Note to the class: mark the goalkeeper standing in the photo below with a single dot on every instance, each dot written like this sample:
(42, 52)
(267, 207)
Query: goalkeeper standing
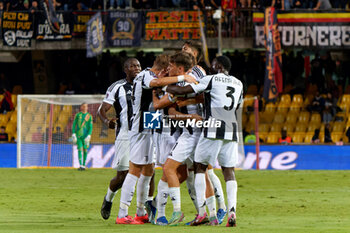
(82, 129)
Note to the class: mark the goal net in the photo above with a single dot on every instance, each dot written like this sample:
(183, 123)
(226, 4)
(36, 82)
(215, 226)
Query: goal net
(44, 128)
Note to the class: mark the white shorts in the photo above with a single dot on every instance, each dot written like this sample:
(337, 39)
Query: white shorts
(163, 143)
(122, 151)
(208, 150)
(141, 148)
(184, 148)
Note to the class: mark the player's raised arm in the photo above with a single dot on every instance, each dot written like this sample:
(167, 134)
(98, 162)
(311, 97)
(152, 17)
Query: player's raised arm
(196, 100)
(160, 103)
(176, 90)
(161, 82)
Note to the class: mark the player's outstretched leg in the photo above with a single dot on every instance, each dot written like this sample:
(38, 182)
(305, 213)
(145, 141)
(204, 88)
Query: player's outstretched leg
(219, 194)
(231, 190)
(210, 201)
(114, 185)
(192, 192)
(127, 194)
(170, 169)
(142, 193)
(162, 198)
(151, 203)
(200, 186)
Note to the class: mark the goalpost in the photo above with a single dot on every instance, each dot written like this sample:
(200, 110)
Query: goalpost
(44, 129)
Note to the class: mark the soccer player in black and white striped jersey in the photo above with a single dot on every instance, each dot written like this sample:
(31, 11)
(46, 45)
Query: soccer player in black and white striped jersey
(141, 145)
(195, 49)
(118, 95)
(223, 95)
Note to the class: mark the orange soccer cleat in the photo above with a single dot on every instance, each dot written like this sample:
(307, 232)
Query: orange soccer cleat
(143, 219)
(127, 220)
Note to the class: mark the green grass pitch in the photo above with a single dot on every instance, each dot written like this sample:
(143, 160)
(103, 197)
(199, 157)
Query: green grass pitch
(66, 200)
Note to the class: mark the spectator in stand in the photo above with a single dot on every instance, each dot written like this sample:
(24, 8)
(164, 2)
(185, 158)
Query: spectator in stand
(317, 104)
(70, 90)
(96, 4)
(339, 4)
(34, 7)
(316, 138)
(327, 116)
(81, 5)
(327, 134)
(26, 4)
(1, 6)
(6, 104)
(331, 104)
(38, 135)
(317, 72)
(143, 4)
(323, 5)
(250, 138)
(284, 139)
(4, 137)
(58, 136)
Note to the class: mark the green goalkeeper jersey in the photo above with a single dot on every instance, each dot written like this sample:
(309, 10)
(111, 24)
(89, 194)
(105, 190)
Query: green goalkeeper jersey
(82, 125)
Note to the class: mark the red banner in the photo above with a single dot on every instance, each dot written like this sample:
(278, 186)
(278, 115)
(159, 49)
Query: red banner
(273, 74)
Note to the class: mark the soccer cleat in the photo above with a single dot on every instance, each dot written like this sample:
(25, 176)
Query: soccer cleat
(151, 210)
(213, 221)
(221, 215)
(189, 223)
(231, 220)
(127, 220)
(143, 219)
(106, 209)
(200, 220)
(162, 221)
(176, 218)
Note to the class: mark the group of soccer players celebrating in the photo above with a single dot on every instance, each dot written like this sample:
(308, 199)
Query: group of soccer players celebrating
(177, 89)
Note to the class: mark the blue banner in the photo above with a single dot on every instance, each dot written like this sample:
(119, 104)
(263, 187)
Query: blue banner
(278, 157)
(8, 155)
(321, 157)
(124, 29)
(94, 36)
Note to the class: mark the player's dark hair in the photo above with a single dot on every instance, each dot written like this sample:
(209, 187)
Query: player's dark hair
(183, 59)
(225, 62)
(197, 45)
(161, 62)
(128, 61)
(83, 104)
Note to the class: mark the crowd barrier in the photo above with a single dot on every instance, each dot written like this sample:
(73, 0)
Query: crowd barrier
(272, 157)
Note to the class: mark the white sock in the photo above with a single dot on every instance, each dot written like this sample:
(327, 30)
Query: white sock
(127, 194)
(199, 184)
(110, 195)
(231, 190)
(162, 197)
(211, 206)
(150, 198)
(142, 194)
(191, 189)
(174, 193)
(219, 194)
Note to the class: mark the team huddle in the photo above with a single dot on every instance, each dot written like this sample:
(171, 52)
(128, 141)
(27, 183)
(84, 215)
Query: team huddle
(174, 89)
